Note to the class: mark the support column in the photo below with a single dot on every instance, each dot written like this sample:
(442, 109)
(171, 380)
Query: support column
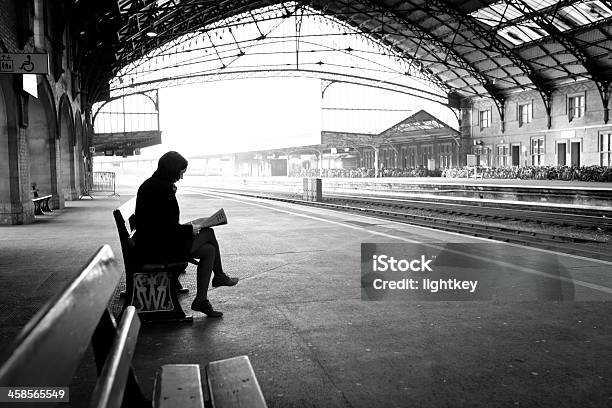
(66, 152)
(15, 203)
(236, 165)
(376, 167)
(466, 141)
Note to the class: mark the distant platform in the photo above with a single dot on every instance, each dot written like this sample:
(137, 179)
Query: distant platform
(539, 192)
(130, 179)
(571, 184)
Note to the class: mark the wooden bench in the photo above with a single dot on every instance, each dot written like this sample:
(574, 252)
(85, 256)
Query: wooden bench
(232, 383)
(152, 288)
(41, 204)
(51, 346)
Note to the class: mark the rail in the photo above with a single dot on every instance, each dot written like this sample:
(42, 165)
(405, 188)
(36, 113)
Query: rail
(593, 249)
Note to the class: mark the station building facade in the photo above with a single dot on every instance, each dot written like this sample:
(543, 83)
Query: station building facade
(573, 134)
(577, 135)
(44, 134)
(421, 140)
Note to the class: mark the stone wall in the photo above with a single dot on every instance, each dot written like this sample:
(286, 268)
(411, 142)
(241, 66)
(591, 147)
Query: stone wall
(39, 31)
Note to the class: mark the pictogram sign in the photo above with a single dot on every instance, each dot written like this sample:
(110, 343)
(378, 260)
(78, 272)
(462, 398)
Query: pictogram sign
(29, 63)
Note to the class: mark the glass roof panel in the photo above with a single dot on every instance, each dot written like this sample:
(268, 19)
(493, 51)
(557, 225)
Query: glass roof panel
(526, 30)
(416, 125)
(584, 13)
(497, 13)
(539, 4)
(163, 2)
(521, 33)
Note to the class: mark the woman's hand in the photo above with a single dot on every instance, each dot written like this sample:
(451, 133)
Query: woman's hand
(196, 230)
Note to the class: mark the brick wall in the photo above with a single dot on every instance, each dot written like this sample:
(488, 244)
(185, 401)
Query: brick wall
(8, 28)
(24, 177)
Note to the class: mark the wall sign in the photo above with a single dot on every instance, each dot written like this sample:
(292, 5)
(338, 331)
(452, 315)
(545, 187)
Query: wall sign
(27, 63)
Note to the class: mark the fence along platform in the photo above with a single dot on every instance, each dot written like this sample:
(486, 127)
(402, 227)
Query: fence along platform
(102, 182)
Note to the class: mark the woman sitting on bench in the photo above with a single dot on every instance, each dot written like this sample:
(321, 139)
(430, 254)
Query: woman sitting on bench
(160, 238)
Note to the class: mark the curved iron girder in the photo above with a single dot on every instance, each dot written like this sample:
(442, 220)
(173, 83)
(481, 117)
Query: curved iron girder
(490, 36)
(444, 46)
(201, 15)
(324, 7)
(573, 48)
(324, 85)
(331, 76)
(155, 102)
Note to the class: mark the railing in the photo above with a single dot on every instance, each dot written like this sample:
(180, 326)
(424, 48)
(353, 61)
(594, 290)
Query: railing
(102, 181)
(583, 173)
(364, 172)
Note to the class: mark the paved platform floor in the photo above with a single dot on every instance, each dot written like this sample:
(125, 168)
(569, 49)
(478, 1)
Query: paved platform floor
(313, 342)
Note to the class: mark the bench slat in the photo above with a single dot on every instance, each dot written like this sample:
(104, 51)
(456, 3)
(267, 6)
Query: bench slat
(178, 385)
(232, 383)
(109, 389)
(42, 198)
(58, 335)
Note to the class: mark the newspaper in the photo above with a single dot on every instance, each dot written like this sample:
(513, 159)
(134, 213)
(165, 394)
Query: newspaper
(217, 218)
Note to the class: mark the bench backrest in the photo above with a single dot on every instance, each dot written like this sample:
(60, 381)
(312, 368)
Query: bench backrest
(124, 216)
(51, 345)
(126, 232)
(116, 376)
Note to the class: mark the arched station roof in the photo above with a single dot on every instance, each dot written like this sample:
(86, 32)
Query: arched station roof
(470, 48)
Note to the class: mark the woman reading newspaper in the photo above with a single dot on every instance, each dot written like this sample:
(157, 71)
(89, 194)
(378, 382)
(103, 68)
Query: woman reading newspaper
(161, 238)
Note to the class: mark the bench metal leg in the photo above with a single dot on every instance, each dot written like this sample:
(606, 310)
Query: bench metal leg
(46, 206)
(155, 296)
(86, 193)
(129, 282)
(37, 209)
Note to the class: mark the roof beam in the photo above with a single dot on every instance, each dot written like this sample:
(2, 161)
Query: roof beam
(572, 46)
(529, 15)
(381, 37)
(442, 45)
(490, 36)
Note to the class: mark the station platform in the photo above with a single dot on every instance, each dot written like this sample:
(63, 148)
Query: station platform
(541, 338)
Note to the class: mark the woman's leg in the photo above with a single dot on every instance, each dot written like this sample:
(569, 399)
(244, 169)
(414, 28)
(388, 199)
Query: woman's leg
(207, 236)
(206, 254)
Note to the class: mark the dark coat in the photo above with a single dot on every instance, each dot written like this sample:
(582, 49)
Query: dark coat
(159, 236)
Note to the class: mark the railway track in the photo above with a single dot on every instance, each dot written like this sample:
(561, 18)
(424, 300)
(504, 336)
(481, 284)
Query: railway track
(552, 216)
(400, 210)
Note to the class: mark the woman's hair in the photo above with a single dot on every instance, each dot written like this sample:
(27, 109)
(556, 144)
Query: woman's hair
(170, 166)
